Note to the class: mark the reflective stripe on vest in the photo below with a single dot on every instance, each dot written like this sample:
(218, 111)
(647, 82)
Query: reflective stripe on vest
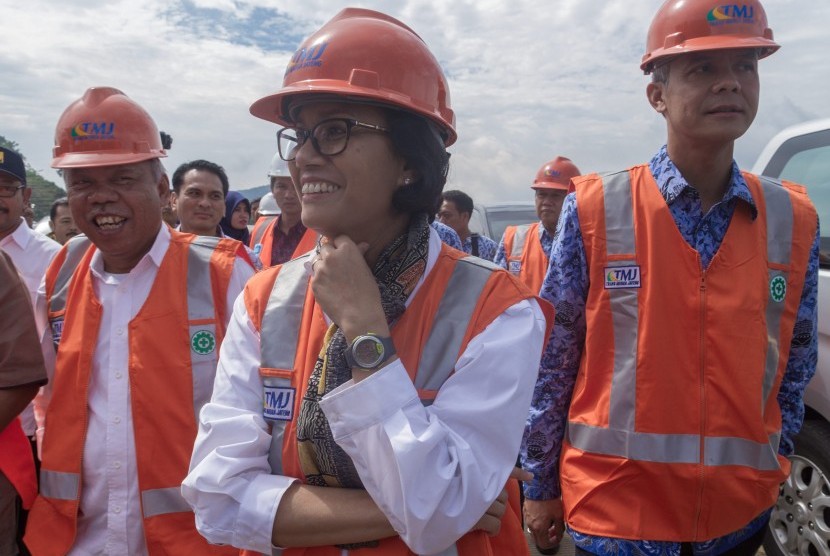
(519, 239)
(259, 232)
(200, 306)
(620, 438)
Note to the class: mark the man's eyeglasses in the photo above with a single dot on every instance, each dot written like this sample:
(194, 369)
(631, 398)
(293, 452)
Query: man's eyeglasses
(329, 137)
(7, 191)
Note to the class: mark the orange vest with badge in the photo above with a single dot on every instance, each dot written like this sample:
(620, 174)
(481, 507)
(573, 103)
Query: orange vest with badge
(180, 325)
(17, 462)
(674, 424)
(479, 293)
(525, 256)
(262, 241)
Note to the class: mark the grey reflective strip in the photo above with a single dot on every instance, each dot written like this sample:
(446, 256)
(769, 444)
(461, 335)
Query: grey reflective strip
(277, 428)
(259, 233)
(283, 315)
(59, 485)
(779, 251)
(163, 501)
(519, 239)
(663, 448)
(619, 226)
(75, 249)
(199, 290)
(451, 320)
(740, 451)
(619, 214)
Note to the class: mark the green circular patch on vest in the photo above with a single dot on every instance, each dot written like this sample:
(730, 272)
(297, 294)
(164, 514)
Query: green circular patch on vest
(203, 342)
(778, 288)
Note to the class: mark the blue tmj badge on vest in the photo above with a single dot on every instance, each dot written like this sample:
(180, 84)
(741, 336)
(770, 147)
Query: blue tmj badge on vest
(617, 277)
(278, 403)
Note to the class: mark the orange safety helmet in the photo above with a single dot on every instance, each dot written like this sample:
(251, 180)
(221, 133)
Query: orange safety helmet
(105, 128)
(556, 174)
(683, 26)
(365, 56)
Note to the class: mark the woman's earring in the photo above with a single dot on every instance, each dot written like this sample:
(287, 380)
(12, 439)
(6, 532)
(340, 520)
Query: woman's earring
(407, 181)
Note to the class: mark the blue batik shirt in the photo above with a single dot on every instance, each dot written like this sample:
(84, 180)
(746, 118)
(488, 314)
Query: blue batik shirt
(566, 286)
(486, 247)
(544, 238)
(447, 235)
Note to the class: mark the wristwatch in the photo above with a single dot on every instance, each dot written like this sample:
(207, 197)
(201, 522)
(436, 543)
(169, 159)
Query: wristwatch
(369, 351)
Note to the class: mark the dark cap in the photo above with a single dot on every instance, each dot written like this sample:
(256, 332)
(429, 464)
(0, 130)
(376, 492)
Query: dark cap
(12, 164)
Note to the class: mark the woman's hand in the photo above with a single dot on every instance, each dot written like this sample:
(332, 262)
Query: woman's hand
(345, 288)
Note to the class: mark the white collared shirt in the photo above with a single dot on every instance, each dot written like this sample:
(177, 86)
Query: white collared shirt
(434, 470)
(31, 254)
(110, 519)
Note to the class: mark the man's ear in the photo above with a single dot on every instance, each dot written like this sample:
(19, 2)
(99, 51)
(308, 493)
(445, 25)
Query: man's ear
(655, 93)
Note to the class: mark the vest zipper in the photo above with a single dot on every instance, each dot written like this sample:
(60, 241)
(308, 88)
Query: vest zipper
(701, 466)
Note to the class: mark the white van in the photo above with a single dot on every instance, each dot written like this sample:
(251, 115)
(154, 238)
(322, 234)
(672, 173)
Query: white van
(800, 523)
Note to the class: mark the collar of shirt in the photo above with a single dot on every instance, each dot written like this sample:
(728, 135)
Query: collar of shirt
(296, 230)
(154, 256)
(21, 235)
(672, 184)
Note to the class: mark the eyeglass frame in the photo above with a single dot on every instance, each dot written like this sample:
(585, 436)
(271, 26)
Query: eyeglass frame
(8, 187)
(302, 136)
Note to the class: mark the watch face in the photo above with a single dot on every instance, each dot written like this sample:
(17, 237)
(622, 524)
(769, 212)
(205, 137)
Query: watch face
(368, 351)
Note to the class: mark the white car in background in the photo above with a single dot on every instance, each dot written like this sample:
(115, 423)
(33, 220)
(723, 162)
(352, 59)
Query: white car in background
(491, 220)
(800, 523)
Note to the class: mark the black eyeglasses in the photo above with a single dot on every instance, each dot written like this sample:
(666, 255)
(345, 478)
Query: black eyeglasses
(329, 137)
(7, 191)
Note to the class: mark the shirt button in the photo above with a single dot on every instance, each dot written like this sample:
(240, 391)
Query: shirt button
(119, 331)
(117, 420)
(117, 465)
(117, 509)
(118, 374)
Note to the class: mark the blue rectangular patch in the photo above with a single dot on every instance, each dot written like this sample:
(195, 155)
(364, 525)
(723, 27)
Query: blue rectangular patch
(618, 277)
(514, 267)
(278, 403)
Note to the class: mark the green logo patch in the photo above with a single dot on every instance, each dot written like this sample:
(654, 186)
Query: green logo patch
(778, 289)
(203, 342)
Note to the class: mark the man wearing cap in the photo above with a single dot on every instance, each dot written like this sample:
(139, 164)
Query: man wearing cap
(455, 212)
(281, 237)
(137, 312)
(688, 333)
(524, 249)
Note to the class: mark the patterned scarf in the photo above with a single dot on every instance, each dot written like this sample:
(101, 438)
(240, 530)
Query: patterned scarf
(397, 272)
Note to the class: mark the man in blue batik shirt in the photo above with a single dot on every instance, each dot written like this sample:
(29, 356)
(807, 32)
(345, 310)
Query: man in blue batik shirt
(705, 83)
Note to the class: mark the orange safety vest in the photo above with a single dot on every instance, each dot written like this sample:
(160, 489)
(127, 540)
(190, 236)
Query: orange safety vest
(427, 341)
(181, 323)
(674, 425)
(262, 241)
(525, 256)
(17, 462)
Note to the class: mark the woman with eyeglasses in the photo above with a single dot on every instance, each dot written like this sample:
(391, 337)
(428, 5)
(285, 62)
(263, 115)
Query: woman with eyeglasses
(371, 395)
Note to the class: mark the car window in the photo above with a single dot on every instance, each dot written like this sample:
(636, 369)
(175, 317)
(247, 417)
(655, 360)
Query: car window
(806, 160)
(499, 220)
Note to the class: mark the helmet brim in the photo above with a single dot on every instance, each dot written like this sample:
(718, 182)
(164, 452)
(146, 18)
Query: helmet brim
(764, 46)
(96, 160)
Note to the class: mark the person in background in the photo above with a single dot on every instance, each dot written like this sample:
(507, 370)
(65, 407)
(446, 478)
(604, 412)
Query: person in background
(280, 237)
(524, 250)
(686, 333)
(22, 372)
(61, 222)
(137, 312)
(350, 408)
(199, 190)
(237, 215)
(255, 209)
(455, 212)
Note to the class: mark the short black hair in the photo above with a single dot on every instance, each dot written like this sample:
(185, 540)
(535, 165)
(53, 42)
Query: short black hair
(59, 202)
(462, 201)
(205, 165)
(419, 142)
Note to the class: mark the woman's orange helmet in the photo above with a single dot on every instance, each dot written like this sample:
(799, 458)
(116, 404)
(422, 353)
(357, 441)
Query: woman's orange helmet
(365, 56)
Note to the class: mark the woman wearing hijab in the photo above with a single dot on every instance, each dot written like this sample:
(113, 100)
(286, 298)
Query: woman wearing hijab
(370, 397)
(237, 215)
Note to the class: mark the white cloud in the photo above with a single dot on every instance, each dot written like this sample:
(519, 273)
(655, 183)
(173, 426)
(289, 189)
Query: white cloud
(530, 79)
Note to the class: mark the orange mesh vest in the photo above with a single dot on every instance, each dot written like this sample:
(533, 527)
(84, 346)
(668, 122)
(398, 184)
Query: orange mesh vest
(525, 256)
(262, 241)
(17, 462)
(480, 296)
(181, 323)
(674, 422)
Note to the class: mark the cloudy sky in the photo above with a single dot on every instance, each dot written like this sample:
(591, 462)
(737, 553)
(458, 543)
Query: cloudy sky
(530, 79)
